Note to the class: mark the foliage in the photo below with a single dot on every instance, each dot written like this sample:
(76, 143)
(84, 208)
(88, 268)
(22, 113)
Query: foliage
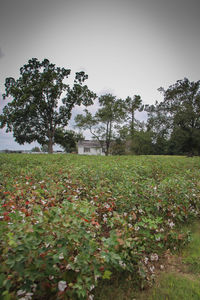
(176, 120)
(67, 139)
(70, 222)
(110, 113)
(35, 149)
(131, 106)
(35, 112)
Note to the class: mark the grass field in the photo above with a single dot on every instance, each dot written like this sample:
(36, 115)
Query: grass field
(82, 227)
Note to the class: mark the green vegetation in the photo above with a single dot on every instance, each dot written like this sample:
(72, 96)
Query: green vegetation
(35, 112)
(181, 279)
(176, 287)
(73, 226)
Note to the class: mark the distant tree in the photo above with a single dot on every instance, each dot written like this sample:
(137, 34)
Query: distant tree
(44, 148)
(159, 128)
(175, 121)
(35, 111)
(132, 105)
(35, 149)
(181, 105)
(101, 126)
(119, 145)
(67, 139)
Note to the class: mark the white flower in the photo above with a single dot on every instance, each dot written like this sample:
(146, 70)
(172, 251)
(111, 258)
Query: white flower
(28, 296)
(158, 239)
(122, 264)
(33, 286)
(125, 214)
(152, 269)
(91, 297)
(68, 267)
(20, 292)
(146, 260)
(171, 224)
(61, 256)
(161, 267)
(154, 256)
(137, 228)
(107, 205)
(62, 285)
(92, 287)
(130, 225)
(96, 277)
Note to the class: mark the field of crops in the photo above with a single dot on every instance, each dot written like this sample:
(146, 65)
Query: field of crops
(69, 222)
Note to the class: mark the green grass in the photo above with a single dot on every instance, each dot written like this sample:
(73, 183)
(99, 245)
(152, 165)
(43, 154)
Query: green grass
(184, 283)
(191, 255)
(176, 287)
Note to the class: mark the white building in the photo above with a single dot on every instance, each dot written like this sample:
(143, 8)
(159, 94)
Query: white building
(90, 148)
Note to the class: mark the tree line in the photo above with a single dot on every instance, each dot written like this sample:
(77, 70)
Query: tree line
(42, 104)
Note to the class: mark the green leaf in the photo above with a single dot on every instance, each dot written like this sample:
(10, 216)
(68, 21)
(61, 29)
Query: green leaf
(107, 274)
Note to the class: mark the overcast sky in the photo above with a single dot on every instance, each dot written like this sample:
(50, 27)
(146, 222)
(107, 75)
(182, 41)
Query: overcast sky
(126, 47)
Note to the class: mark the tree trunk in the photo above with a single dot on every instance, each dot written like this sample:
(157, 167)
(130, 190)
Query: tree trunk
(132, 123)
(50, 145)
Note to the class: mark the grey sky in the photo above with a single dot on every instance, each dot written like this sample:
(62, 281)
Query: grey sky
(126, 46)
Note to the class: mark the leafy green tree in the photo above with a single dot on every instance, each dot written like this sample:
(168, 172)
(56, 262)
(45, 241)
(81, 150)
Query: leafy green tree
(35, 149)
(181, 105)
(35, 111)
(158, 127)
(119, 145)
(67, 139)
(44, 148)
(175, 121)
(133, 104)
(101, 126)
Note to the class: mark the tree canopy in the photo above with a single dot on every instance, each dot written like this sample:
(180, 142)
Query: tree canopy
(36, 110)
(101, 126)
(176, 120)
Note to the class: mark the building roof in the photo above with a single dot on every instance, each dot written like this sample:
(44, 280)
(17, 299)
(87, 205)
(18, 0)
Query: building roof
(88, 143)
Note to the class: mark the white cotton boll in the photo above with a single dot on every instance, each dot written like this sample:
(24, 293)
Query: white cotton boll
(61, 256)
(62, 285)
(20, 292)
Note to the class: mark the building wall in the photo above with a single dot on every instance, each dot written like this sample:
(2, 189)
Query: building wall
(93, 151)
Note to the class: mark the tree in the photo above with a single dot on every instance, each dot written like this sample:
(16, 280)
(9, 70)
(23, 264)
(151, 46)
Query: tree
(35, 149)
(35, 112)
(67, 139)
(158, 127)
(101, 126)
(133, 104)
(176, 120)
(44, 148)
(182, 106)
